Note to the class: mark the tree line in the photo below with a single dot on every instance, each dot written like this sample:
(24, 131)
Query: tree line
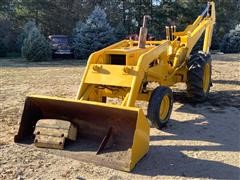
(63, 16)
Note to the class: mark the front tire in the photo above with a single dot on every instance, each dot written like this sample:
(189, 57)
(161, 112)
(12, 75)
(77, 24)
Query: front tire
(160, 106)
(199, 77)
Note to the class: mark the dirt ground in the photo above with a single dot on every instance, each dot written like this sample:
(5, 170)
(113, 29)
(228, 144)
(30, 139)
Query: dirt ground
(201, 141)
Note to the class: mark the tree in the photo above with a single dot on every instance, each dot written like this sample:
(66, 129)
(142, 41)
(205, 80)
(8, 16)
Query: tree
(3, 49)
(96, 33)
(35, 46)
(26, 30)
(231, 41)
(60, 16)
(77, 38)
(8, 35)
(120, 32)
(227, 18)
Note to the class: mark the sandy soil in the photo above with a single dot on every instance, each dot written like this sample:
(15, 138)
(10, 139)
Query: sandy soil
(201, 141)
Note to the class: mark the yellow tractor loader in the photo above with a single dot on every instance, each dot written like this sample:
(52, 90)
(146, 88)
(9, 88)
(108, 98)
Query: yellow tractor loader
(90, 128)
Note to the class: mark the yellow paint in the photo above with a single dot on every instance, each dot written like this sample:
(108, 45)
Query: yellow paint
(206, 77)
(141, 139)
(164, 108)
(110, 75)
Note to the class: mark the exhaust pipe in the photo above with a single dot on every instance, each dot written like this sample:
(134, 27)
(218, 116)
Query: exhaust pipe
(143, 32)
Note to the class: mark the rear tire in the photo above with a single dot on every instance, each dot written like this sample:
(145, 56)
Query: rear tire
(160, 106)
(199, 77)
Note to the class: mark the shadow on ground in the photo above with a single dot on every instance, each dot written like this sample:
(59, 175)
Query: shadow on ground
(170, 160)
(232, 82)
(216, 99)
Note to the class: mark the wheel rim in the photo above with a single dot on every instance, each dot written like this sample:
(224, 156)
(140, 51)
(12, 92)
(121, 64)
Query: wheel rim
(164, 108)
(206, 78)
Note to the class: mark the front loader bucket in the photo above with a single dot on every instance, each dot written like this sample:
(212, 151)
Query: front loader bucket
(123, 131)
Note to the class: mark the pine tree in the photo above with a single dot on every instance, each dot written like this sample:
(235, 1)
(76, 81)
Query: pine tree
(120, 32)
(231, 41)
(28, 27)
(26, 30)
(96, 33)
(35, 46)
(77, 38)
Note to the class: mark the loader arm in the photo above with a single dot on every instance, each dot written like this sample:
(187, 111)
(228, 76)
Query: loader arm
(142, 68)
